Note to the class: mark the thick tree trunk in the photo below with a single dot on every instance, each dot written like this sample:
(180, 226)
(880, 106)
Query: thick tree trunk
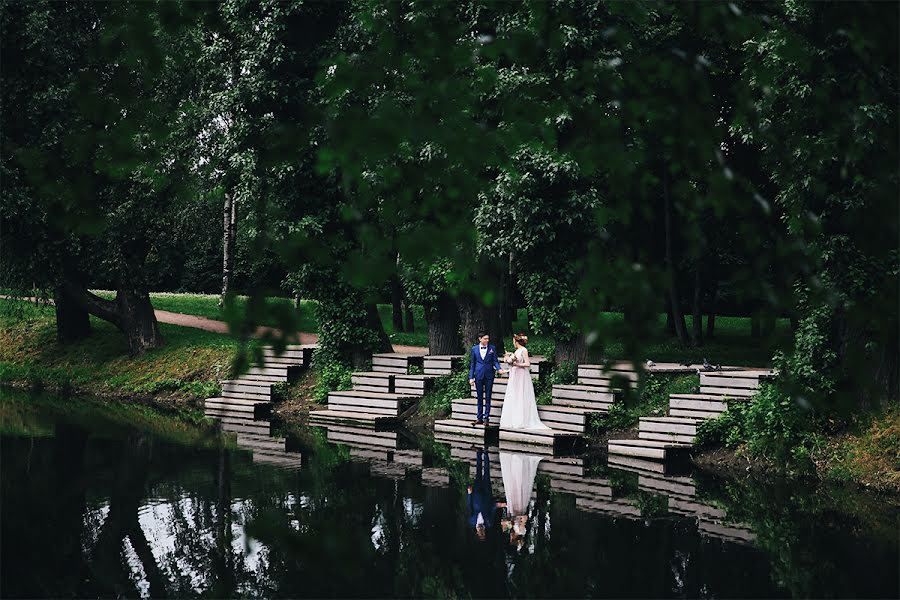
(670, 321)
(574, 350)
(674, 299)
(754, 326)
(410, 320)
(131, 312)
(229, 231)
(73, 322)
(696, 312)
(396, 303)
(443, 326)
(711, 310)
(373, 321)
(138, 321)
(476, 318)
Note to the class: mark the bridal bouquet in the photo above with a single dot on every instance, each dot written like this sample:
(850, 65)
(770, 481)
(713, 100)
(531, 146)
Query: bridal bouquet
(509, 358)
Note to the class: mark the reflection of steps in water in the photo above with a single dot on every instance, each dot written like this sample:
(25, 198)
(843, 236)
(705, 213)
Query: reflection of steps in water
(388, 452)
(256, 436)
(436, 476)
(681, 494)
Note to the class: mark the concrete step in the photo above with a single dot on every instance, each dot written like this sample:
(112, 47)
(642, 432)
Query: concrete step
(676, 425)
(651, 449)
(280, 373)
(265, 386)
(252, 409)
(231, 392)
(599, 375)
(666, 437)
(436, 364)
(394, 362)
(463, 427)
(563, 440)
(354, 417)
(413, 385)
(562, 418)
(269, 379)
(603, 396)
(250, 387)
(373, 381)
(587, 407)
(371, 402)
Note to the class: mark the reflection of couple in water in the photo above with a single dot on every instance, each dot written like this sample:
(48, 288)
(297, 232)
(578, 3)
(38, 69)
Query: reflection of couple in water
(518, 472)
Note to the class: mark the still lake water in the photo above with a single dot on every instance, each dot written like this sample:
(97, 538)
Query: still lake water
(114, 501)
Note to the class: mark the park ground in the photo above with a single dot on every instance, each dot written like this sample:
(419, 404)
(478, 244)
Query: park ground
(188, 369)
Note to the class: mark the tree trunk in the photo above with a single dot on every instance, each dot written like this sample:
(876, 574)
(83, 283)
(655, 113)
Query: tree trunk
(131, 312)
(674, 299)
(373, 321)
(754, 326)
(574, 350)
(73, 322)
(443, 326)
(410, 320)
(670, 322)
(476, 318)
(696, 312)
(711, 309)
(396, 303)
(229, 230)
(138, 321)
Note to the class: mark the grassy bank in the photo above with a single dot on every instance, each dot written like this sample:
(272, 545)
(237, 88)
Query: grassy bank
(188, 367)
(732, 344)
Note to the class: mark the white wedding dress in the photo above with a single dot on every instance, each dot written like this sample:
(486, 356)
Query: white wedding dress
(518, 480)
(519, 405)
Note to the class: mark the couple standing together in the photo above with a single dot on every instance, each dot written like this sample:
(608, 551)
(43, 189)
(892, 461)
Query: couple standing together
(519, 404)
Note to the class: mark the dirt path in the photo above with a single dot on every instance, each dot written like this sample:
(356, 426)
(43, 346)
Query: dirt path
(195, 322)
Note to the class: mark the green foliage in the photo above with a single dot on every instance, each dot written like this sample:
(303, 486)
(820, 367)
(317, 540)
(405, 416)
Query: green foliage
(564, 373)
(652, 400)
(446, 389)
(331, 376)
(726, 430)
(771, 425)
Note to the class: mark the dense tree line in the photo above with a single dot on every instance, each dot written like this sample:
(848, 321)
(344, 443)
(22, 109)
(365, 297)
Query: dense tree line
(475, 158)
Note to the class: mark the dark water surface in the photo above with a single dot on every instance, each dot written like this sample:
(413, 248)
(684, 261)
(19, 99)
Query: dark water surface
(114, 501)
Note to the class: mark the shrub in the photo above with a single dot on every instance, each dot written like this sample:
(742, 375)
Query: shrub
(332, 376)
(446, 389)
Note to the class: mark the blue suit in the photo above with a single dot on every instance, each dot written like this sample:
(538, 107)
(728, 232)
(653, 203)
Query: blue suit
(481, 498)
(482, 370)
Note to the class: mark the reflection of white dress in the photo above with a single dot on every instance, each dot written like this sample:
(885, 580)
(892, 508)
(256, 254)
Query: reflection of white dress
(518, 480)
(519, 405)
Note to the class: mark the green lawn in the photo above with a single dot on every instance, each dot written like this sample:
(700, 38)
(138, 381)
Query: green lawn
(207, 305)
(190, 364)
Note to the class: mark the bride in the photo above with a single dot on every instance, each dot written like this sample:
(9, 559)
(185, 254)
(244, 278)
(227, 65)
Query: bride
(519, 405)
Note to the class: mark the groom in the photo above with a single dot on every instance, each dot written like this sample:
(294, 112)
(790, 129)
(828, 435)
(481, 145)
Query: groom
(483, 366)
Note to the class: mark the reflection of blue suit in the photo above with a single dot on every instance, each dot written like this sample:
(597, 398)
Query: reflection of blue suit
(482, 371)
(481, 499)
